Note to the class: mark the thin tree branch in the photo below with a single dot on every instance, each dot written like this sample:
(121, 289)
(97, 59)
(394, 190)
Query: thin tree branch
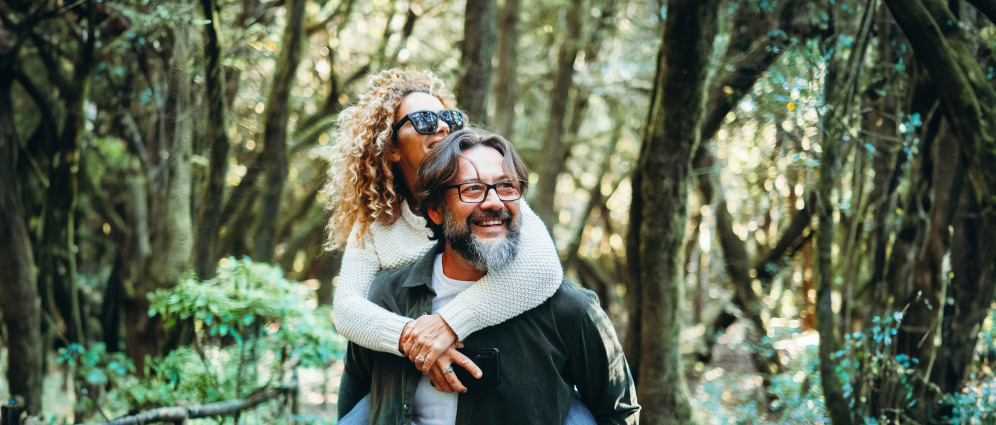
(174, 414)
(768, 266)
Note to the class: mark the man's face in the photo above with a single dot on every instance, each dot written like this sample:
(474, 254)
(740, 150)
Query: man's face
(486, 233)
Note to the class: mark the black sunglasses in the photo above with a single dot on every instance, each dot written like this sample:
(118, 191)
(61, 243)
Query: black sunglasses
(426, 122)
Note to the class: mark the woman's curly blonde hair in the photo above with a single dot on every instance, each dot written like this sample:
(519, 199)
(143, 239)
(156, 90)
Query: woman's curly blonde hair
(362, 185)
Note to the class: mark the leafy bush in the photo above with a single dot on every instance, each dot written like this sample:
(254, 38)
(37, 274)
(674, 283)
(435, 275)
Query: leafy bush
(869, 359)
(974, 404)
(251, 328)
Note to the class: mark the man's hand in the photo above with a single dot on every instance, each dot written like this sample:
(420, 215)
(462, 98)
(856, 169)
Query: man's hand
(428, 338)
(407, 330)
(445, 380)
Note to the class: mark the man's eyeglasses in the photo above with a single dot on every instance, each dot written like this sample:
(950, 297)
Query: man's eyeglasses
(426, 122)
(476, 192)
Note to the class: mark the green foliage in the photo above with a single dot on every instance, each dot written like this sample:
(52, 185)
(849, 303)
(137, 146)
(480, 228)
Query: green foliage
(248, 304)
(96, 371)
(733, 398)
(974, 404)
(869, 359)
(799, 392)
(251, 328)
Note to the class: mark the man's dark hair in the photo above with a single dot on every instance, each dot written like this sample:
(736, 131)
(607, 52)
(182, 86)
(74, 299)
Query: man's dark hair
(440, 166)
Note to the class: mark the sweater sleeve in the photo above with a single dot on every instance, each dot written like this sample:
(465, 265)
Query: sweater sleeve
(356, 318)
(532, 277)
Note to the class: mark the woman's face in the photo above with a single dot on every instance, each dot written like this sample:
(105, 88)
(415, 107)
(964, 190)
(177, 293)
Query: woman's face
(411, 146)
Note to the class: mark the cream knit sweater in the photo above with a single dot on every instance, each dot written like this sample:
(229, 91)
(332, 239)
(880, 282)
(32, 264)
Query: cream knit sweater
(532, 277)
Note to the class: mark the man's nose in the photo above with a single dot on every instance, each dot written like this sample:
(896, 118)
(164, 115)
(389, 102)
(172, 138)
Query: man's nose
(491, 201)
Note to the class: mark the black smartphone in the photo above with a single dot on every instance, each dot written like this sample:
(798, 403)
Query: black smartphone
(484, 358)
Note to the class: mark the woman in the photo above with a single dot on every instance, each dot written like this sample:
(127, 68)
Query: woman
(380, 142)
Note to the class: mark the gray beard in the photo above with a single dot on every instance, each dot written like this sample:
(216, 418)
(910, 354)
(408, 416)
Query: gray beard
(483, 255)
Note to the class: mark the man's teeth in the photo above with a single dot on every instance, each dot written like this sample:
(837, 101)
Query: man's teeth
(490, 223)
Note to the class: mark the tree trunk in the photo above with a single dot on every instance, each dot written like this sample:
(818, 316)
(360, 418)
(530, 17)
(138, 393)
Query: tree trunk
(330, 262)
(204, 258)
(57, 264)
(172, 236)
(134, 255)
(581, 95)
(840, 86)
(506, 86)
(275, 131)
(738, 267)
(969, 103)
(889, 156)
(475, 59)
(19, 298)
(658, 214)
(961, 318)
(825, 315)
(596, 198)
(553, 151)
(174, 239)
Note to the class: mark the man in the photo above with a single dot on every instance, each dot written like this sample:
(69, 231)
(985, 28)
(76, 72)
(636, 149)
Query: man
(469, 188)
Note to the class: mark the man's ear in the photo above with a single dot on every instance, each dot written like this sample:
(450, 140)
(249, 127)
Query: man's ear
(435, 214)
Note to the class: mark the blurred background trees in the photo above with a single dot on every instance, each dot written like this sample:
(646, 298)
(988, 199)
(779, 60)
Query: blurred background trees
(788, 209)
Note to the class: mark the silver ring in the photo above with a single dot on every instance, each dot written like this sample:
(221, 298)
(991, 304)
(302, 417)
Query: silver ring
(420, 359)
(449, 369)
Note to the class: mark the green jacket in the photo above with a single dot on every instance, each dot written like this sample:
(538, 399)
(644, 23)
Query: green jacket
(545, 352)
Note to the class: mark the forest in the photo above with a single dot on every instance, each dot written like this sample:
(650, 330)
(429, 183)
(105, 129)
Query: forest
(786, 207)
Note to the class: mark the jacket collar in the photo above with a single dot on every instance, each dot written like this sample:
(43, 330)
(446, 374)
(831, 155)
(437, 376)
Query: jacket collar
(421, 273)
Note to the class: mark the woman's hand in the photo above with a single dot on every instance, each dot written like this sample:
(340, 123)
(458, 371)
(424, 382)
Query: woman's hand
(429, 337)
(407, 330)
(442, 375)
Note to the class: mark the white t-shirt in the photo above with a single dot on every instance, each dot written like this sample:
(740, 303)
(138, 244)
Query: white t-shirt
(431, 406)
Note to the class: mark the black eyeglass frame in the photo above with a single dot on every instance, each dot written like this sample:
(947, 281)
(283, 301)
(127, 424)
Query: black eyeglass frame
(487, 188)
(454, 126)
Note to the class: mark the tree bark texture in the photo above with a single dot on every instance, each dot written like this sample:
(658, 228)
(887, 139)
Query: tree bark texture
(174, 239)
(204, 257)
(274, 154)
(889, 155)
(220, 409)
(969, 103)
(19, 298)
(825, 316)
(659, 212)
(506, 82)
(596, 197)
(478, 48)
(553, 151)
(920, 292)
(57, 262)
(171, 226)
(839, 90)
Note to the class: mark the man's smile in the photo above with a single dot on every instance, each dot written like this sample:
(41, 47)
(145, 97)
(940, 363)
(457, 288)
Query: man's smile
(490, 222)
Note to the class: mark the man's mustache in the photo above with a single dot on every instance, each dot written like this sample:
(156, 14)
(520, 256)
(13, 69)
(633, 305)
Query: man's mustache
(501, 214)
